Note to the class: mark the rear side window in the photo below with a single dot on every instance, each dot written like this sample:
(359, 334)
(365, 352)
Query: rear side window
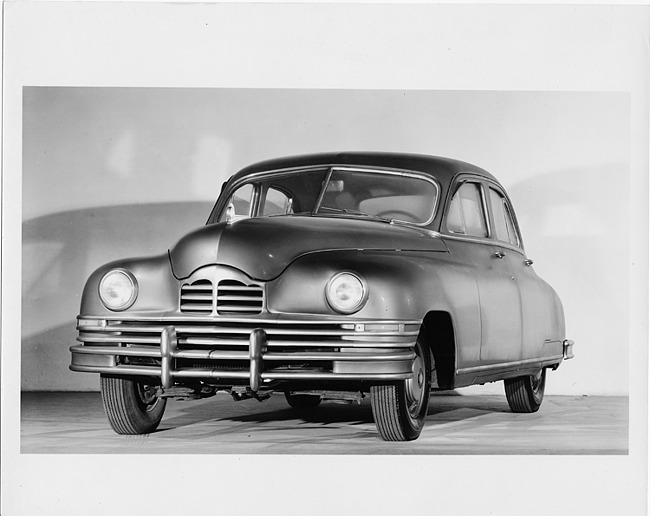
(504, 227)
(466, 215)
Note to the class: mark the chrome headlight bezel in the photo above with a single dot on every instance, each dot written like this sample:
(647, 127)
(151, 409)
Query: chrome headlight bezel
(131, 285)
(358, 298)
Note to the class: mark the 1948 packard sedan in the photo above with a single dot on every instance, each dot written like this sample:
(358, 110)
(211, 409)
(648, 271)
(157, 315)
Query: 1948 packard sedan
(329, 277)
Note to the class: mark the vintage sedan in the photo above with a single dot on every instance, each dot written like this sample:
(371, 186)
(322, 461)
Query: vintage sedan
(329, 277)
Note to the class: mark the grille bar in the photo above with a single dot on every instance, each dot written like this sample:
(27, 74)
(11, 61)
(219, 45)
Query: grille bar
(197, 297)
(239, 308)
(194, 286)
(193, 307)
(236, 297)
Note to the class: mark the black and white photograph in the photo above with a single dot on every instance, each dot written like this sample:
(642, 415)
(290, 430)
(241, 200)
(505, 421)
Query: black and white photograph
(393, 254)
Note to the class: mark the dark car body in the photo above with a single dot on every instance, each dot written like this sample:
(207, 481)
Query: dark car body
(330, 276)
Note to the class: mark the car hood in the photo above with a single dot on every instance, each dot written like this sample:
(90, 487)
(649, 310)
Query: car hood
(264, 247)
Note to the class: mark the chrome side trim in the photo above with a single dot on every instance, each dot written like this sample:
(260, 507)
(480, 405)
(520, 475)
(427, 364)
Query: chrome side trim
(509, 365)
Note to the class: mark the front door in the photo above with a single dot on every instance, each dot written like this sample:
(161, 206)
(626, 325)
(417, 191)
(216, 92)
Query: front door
(501, 323)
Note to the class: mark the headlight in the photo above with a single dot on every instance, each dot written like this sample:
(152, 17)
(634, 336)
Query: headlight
(346, 292)
(118, 290)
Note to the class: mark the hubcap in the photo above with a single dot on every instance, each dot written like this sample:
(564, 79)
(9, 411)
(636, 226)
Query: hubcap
(147, 394)
(536, 380)
(415, 386)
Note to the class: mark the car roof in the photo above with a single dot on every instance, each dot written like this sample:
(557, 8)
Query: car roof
(443, 169)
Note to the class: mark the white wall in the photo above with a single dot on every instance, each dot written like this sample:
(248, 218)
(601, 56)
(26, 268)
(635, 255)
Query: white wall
(116, 172)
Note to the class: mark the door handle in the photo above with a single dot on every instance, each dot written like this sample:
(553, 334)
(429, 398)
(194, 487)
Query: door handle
(499, 254)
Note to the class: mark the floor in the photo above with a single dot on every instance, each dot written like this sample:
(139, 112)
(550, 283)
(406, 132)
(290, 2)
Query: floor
(457, 424)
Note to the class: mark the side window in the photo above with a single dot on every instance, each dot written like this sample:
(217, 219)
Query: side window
(276, 202)
(241, 202)
(465, 216)
(504, 227)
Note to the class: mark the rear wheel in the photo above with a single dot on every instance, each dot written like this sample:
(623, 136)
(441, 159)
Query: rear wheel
(302, 401)
(525, 393)
(400, 408)
(132, 407)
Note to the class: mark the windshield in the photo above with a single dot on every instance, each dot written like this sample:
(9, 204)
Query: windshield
(336, 192)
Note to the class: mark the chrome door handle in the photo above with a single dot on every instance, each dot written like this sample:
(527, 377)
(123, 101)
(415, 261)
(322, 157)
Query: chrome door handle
(528, 262)
(499, 254)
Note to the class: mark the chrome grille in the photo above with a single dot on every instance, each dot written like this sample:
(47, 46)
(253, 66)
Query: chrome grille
(197, 297)
(235, 297)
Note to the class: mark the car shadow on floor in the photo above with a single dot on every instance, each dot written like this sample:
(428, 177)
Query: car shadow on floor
(443, 409)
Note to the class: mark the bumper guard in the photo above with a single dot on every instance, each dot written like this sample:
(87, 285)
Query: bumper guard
(381, 363)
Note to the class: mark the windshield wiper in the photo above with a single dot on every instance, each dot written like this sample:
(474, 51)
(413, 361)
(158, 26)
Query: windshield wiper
(289, 214)
(349, 211)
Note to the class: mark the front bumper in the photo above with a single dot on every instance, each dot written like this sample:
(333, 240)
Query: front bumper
(247, 351)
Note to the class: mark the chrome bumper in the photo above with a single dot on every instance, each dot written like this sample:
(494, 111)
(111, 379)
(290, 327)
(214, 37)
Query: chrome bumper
(280, 350)
(567, 346)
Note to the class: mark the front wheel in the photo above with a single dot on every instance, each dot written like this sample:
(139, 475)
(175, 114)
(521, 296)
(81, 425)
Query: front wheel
(400, 408)
(132, 407)
(525, 393)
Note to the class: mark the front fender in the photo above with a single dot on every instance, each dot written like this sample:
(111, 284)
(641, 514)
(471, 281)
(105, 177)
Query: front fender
(401, 284)
(157, 287)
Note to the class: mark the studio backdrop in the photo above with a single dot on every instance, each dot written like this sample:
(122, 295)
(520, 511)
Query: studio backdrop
(110, 173)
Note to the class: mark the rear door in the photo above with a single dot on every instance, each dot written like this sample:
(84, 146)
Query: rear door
(536, 305)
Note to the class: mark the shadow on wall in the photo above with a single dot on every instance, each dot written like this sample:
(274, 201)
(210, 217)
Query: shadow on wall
(574, 219)
(575, 225)
(59, 253)
(574, 222)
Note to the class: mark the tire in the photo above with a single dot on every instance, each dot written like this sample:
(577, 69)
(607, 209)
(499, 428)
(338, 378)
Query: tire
(525, 393)
(302, 401)
(400, 408)
(132, 407)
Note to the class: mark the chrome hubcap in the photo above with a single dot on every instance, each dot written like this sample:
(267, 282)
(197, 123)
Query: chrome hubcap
(147, 394)
(415, 386)
(535, 380)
